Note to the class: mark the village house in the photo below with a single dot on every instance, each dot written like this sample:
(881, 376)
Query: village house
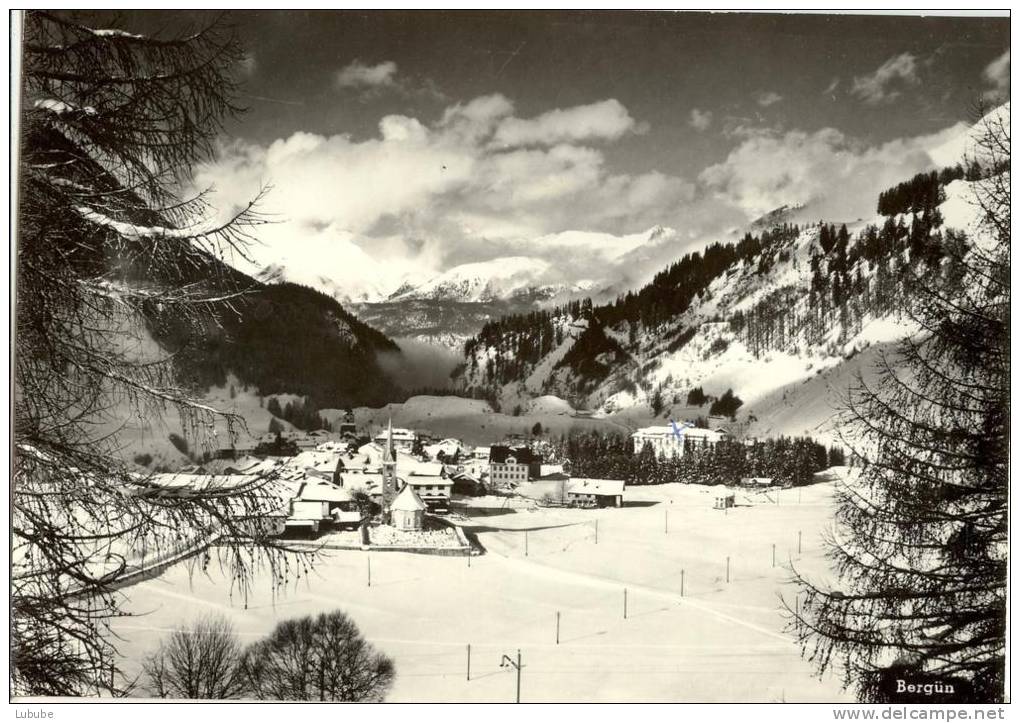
(561, 491)
(400, 440)
(670, 441)
(512, 466)
(236, 450)
(552, 472)
(584, 492)
(450, 448)
(319, 505)
(431, 483)
(465, 482)
(434, 491)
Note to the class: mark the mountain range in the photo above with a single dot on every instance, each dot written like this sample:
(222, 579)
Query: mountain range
(448, 307)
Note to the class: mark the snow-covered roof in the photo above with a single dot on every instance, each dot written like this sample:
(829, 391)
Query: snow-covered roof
(447, 447)
(428, 481)
(586, 486)
(318, 492)
(423, 469)
(405, 435)
(407, 501)
(342, 516)
(197, 482)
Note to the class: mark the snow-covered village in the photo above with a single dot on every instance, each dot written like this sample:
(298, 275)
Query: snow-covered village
(428, 380)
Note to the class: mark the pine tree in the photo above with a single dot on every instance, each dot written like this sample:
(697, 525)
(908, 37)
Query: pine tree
(921, 532)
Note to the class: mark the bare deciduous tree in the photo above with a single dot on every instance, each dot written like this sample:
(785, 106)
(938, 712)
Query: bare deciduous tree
(321, 658)
(112, 124)
(921, 537)
(201, 662)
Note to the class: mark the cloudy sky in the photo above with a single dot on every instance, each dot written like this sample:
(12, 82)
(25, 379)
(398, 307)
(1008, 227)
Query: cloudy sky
(400, 143)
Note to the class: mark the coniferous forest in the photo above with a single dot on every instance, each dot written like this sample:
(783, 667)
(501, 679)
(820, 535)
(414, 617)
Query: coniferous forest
(788, 461)
(284, 338)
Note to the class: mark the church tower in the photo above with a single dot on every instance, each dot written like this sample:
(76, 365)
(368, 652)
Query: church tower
(389, 471)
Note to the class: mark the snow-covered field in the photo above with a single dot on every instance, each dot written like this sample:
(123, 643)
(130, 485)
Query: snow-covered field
(474, 421)
(718, 642)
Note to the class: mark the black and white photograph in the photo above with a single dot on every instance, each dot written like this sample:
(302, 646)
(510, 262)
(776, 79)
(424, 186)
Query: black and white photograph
(517, 356)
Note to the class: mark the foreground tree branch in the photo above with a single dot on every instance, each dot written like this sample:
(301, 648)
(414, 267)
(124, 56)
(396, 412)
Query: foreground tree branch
(113, 122)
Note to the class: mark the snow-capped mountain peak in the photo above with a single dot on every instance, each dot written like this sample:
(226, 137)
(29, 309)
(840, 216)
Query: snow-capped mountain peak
(500, 278)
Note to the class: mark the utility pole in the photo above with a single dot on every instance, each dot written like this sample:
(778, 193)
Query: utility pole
(773, 554)
(596, 532)
(507, 660)
(681, 583)
(557, 627)
(469, 662)
(624, 603)
(799, 532)
(369, 570)
(727, 568)
(525, 543)
(667, 522)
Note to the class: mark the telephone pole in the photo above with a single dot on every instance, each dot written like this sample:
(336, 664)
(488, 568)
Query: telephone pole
(507, 660)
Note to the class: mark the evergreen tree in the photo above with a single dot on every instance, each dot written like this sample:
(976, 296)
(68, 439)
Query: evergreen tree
(921, 540)
(656, 401)
(696, 397)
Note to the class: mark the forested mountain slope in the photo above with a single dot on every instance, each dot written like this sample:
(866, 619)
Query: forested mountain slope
(760, 317)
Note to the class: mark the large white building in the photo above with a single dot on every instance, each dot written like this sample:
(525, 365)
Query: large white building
(671, 440)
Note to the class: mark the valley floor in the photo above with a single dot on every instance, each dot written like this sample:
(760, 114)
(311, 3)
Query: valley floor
(718, 642)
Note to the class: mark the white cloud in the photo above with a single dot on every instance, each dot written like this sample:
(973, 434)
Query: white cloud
(831, 87)
(839, 176)
(360, 75)
(442, 193)
(700, 119)
(997, 76)
(421, 197)
(767, 98)
(604, 120)
(470, 122)
(887, 83)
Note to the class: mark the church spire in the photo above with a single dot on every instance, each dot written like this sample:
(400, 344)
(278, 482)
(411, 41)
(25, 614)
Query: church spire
(389, 470)
(389, 456)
